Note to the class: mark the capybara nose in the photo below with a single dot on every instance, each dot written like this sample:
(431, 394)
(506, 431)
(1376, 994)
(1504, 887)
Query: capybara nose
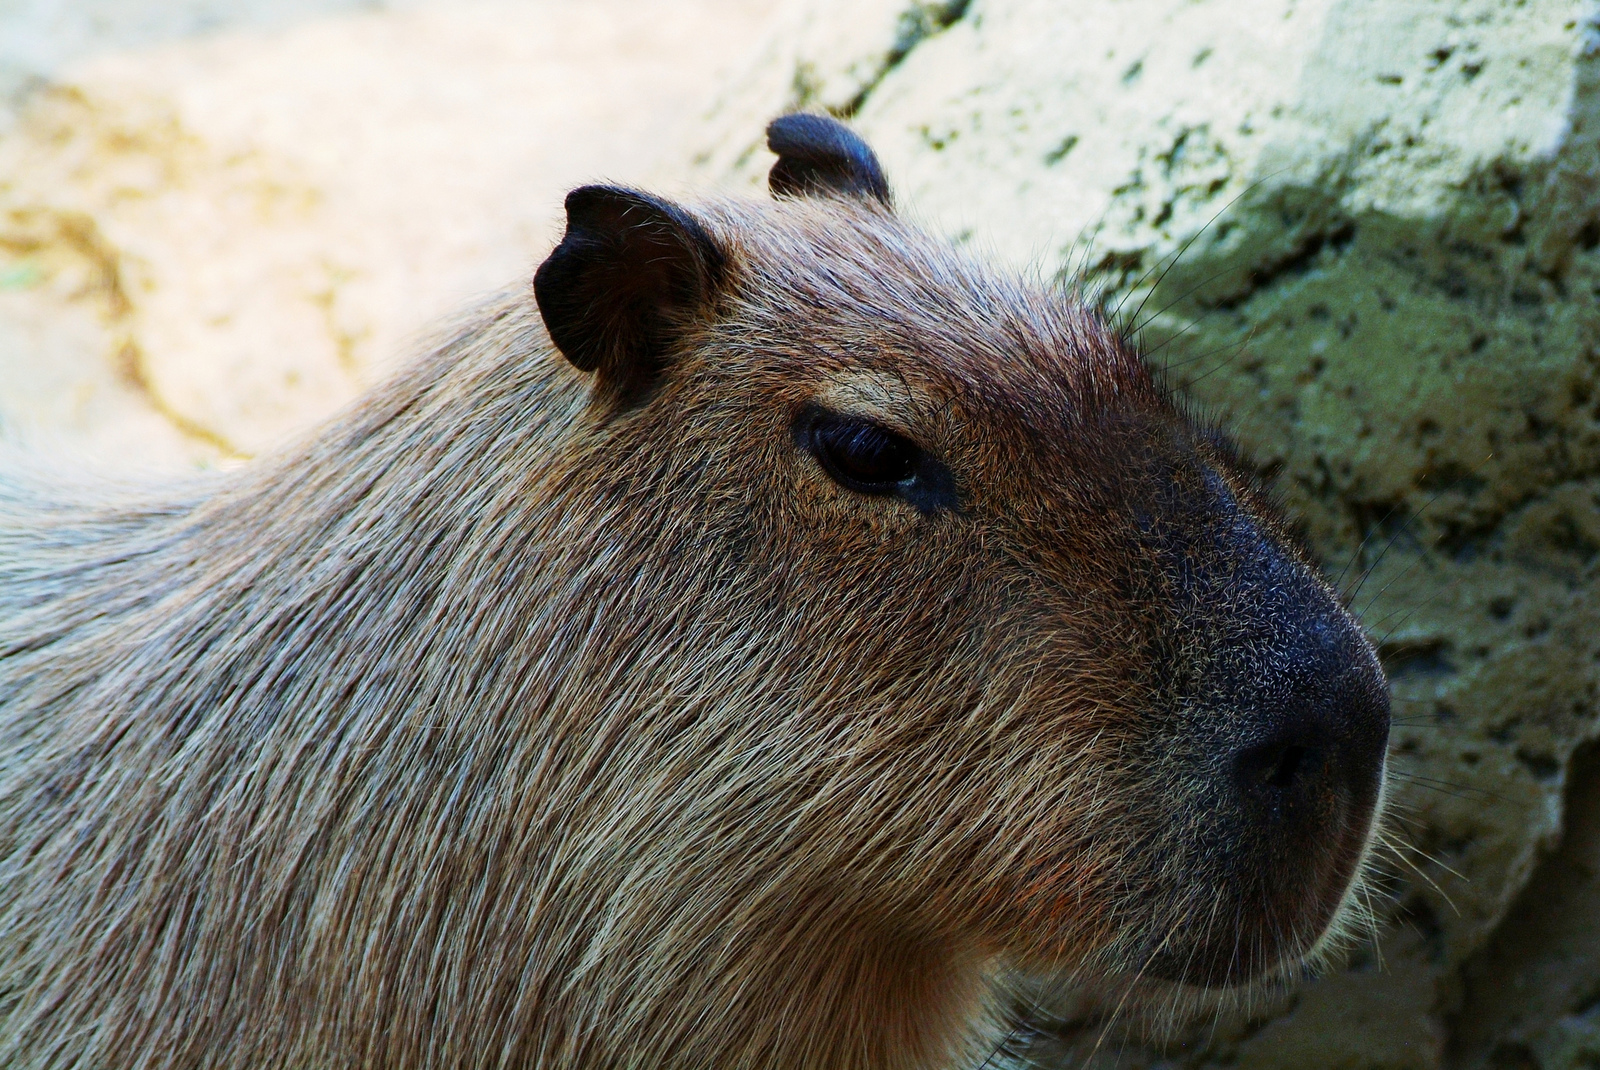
(1319, 741)
(1277, 768)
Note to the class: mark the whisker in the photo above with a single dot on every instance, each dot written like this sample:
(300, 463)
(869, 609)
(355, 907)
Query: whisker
(1186, 361)
(1209, 372)
(1127, 992)
(1402, 575)
(1166, 367)
(1184, 249)
(1399, 845)
(1032, 1007)
(1411, 613)
(1397, 850)
(1460, 791)
(1133, 326)
(1355, 555)
(1406, 527)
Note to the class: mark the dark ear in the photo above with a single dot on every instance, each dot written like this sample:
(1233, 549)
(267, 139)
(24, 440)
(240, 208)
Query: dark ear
(629, 274)
(817, 154)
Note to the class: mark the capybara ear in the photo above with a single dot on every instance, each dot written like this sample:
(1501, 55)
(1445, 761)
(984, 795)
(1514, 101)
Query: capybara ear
(817, 154)
(630, 272)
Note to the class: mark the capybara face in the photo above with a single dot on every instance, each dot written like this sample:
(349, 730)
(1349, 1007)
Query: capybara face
(825, 628)
(1039, 671)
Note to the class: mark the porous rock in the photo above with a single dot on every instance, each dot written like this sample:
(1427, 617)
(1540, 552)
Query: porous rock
(1367, 237)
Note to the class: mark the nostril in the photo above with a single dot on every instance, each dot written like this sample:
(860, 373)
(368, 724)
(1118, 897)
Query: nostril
(1288, 764)
(1275, 767)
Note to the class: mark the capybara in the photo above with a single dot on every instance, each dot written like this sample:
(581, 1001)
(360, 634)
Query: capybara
(741, 649)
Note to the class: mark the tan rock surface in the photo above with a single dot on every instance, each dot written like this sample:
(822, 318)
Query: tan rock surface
(208, 242)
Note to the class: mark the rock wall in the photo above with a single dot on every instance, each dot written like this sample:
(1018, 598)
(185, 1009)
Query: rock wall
(220, 220)
(1367, 237)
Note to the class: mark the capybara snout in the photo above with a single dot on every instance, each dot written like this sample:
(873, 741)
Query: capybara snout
(754, 647)
(1281, 721)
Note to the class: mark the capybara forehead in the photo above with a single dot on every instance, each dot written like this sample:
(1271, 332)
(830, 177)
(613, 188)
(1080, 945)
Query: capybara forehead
(840, 285)
(835, 296)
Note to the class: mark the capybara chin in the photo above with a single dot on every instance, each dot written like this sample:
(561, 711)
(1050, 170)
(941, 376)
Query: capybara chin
(737, 650)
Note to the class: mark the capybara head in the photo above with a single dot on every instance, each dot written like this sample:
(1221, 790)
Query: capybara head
(837, 628)
(1022, 658)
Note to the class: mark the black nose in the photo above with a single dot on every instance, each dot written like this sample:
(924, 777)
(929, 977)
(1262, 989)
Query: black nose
(1284, 725)
(1315, 727)
(1280, 765)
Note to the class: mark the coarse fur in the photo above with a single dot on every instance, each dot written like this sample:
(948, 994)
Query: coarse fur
(512, 721)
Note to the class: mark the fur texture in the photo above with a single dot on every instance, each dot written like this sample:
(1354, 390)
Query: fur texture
(502, 724)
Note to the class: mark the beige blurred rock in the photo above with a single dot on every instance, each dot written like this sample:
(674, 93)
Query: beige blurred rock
(210, 242)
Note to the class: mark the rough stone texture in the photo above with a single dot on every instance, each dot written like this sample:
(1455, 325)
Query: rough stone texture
(207, 241)
(1367, 236)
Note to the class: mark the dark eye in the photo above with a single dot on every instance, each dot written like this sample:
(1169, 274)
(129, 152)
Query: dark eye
(861, 455)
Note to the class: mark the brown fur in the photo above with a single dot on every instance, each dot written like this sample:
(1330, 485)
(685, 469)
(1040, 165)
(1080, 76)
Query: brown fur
(499, 725)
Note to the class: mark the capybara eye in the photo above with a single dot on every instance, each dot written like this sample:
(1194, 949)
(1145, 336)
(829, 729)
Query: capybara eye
(860, 454)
